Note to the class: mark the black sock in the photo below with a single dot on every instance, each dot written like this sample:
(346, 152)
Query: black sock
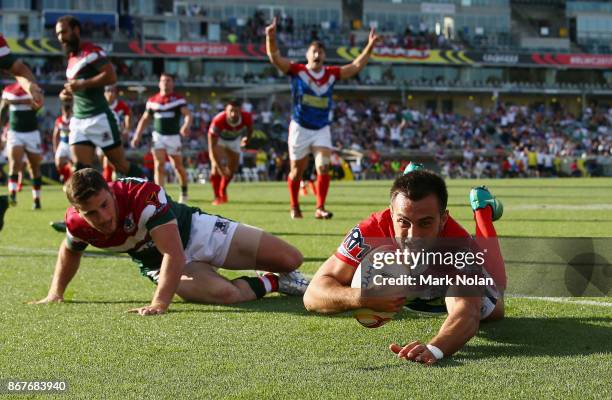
(256, 285)
(184, 190)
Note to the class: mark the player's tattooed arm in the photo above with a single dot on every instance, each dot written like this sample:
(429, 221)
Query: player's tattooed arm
(350, 70)
(272, 50)
(66, 267)
(27, 81)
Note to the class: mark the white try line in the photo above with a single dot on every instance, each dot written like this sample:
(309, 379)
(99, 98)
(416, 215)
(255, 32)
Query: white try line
(579, 207)
(27, 250)
(567, 300)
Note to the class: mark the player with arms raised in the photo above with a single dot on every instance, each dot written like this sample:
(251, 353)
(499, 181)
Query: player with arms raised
(312, 90)
(177, 247)
(166, 109)
(230, 130)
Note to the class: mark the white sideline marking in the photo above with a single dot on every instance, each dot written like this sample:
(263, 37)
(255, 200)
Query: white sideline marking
(309, 276)
(54, 252)
(567, 300)
(560, 207)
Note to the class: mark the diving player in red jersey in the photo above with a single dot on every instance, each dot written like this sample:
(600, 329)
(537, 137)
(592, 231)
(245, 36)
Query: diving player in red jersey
(177, 247)
(124, 117)
(312, 91)
(229, 131)
(417, 210)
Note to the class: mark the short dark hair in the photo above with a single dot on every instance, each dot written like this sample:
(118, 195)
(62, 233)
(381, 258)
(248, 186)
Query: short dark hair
(233, 103)
(71, 21)
(168, 75)
(417, 185)
(84, 184)
(317, 43)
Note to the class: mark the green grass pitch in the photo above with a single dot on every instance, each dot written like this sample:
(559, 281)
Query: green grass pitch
(273, 348)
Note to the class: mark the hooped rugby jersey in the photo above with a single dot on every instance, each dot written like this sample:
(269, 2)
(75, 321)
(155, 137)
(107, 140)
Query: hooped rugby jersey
(312, 94)
(22, 116)
(86, 64)
(166, 112)
(372, 232)
(121, 109)
(141, 206)
(7, 59)
(221, 127)
(63, 125)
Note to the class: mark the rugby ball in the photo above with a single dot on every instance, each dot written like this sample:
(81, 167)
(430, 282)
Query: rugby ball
(363, 279)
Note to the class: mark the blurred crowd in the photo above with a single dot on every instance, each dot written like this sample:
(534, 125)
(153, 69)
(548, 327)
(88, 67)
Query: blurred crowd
(374, 139)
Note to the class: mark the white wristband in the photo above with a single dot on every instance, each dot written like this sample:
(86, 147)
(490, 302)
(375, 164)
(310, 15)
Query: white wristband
(437, 353)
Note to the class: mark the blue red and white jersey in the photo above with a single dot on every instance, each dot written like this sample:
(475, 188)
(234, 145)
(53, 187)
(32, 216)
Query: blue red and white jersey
(376, 231)
(223, 128)
(63, 125)
(312, 95)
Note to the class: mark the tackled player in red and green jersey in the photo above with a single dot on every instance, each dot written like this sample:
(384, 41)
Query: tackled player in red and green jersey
(177, 247)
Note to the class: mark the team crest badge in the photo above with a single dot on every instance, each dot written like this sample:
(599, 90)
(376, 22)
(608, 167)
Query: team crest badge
(128, 224)
(221, 226)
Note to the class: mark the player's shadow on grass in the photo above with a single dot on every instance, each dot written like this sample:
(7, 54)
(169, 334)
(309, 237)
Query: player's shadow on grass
(529, 337)
(269, 304)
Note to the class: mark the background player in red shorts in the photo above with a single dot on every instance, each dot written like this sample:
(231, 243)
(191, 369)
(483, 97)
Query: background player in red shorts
(230, 130)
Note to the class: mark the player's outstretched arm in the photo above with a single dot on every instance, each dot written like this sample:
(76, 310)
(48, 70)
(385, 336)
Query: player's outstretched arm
(168, 242)
(460, 326)
(27, 81)
(107, 76)
(142, 124)
(187, 120)
(330, 291)
(350, 70)
(66, 267)
(274, 55)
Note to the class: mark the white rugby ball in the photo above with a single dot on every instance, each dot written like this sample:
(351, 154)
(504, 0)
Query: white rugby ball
(363, 278)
